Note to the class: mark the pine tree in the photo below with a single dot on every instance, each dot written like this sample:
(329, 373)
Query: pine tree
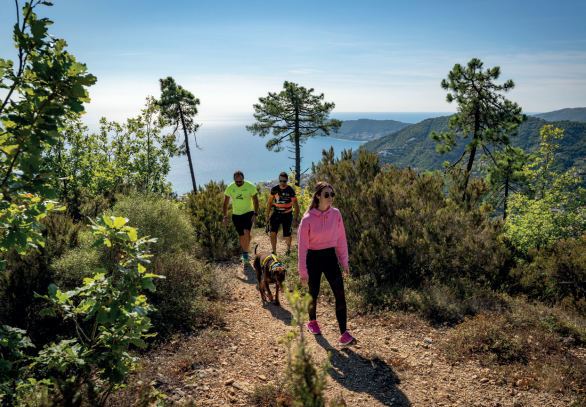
(506, 175)
(293, 115)
(483, 113)
(178, 108)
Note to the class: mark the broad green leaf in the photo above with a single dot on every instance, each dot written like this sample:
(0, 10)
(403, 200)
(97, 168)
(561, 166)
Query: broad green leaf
(119, 222)
(102, 315)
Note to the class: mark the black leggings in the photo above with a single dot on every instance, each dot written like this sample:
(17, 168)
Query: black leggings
(326, 261)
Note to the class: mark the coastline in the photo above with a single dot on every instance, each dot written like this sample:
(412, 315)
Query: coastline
(343, 139)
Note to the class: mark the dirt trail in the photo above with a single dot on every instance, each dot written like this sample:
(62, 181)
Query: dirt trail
(394, 364)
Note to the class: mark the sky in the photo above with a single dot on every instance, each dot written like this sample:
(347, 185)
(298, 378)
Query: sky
(367, 56)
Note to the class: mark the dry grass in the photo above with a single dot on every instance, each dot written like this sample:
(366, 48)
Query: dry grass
(174, 361)
(277, 393)
(519, 353)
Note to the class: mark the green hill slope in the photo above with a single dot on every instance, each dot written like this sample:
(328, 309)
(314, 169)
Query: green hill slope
(412, 146)
(577, 114)
(367, 129)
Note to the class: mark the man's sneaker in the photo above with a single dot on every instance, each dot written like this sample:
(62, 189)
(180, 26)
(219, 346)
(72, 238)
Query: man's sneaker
(346, 339)
(245, 260)
(313, 327)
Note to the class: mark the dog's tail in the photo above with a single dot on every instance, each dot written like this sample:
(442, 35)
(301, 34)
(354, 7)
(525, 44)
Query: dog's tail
(255, 247)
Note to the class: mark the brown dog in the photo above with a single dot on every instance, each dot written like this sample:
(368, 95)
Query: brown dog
(269, 270)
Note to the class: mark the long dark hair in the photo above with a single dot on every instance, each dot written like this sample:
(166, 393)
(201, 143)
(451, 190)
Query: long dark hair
(317, 192)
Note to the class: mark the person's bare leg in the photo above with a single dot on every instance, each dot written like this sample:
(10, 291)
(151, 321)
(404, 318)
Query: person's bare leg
(274, 241)
(243, 244)
(289, 239)
(246, 241)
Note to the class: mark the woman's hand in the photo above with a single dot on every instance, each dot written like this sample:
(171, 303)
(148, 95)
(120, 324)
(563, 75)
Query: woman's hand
(268, 220)
(304, 280)
(346, 271)
(225, 221)
(253, 218)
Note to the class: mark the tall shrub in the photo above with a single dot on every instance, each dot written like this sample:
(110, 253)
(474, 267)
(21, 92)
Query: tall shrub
(557, 274)
(157, 217)
(552, 206)
(214, 240)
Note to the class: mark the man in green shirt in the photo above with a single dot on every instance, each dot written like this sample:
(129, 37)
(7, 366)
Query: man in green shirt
(244, 208)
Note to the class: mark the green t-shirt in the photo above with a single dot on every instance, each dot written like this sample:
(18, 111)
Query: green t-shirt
(241, 197)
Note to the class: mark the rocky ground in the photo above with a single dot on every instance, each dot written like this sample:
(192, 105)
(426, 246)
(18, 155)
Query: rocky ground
(395, 363)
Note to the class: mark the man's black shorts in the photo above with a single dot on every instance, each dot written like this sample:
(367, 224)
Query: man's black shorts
(243, 222)
(285, 219)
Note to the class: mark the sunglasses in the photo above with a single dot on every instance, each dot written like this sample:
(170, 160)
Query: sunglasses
(283, 181)
(327, 194)
(239, 182)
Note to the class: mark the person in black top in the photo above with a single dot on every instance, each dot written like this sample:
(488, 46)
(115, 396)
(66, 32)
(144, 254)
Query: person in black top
(285, 200)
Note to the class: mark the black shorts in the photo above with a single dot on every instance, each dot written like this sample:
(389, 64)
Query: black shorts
(285, 219)
(242, 222)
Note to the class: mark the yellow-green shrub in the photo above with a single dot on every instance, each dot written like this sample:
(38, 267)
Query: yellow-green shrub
(205, 210)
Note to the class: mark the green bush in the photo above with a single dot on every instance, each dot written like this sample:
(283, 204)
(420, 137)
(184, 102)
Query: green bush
(158, 218)
(78, 263)
(32, 272)
(188, 296)
(557, 274)
(205, 210)
(405, 228)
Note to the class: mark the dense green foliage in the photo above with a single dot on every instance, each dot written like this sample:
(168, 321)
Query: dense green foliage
(505, 176)
(214, 240)
(367, 129)
(33, 272)
(551, 206)
(45, 86)
(293, 115)
(133, 153)
(156, 217)
(188, 297)
(577, 114)
(109, 314)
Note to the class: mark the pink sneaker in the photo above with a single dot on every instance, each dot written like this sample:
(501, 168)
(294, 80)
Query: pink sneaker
(313, 327)
(346, 339)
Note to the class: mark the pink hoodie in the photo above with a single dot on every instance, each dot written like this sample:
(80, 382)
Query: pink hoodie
(321, 230)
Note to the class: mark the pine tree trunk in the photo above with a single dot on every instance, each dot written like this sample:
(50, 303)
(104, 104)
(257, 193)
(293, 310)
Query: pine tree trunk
(297, 152)
(473, 152)
(188, 152)
(506, 198)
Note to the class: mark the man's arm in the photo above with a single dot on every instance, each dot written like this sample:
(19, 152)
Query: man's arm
(226, 202)
(269, 204)
(255, 200)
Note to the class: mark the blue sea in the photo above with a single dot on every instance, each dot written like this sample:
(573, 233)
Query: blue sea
(226, 146)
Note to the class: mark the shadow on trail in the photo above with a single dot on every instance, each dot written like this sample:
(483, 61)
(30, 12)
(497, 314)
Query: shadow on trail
(278, 312)
(363, 375)
(249, 273)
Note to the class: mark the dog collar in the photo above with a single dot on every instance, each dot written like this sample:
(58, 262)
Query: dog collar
(275, 264)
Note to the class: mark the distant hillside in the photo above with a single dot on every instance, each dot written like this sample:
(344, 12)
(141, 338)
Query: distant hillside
(367, 129)
(577, 114)
(412, 146)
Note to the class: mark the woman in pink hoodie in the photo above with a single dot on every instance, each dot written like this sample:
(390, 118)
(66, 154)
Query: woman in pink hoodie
(322, 248)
